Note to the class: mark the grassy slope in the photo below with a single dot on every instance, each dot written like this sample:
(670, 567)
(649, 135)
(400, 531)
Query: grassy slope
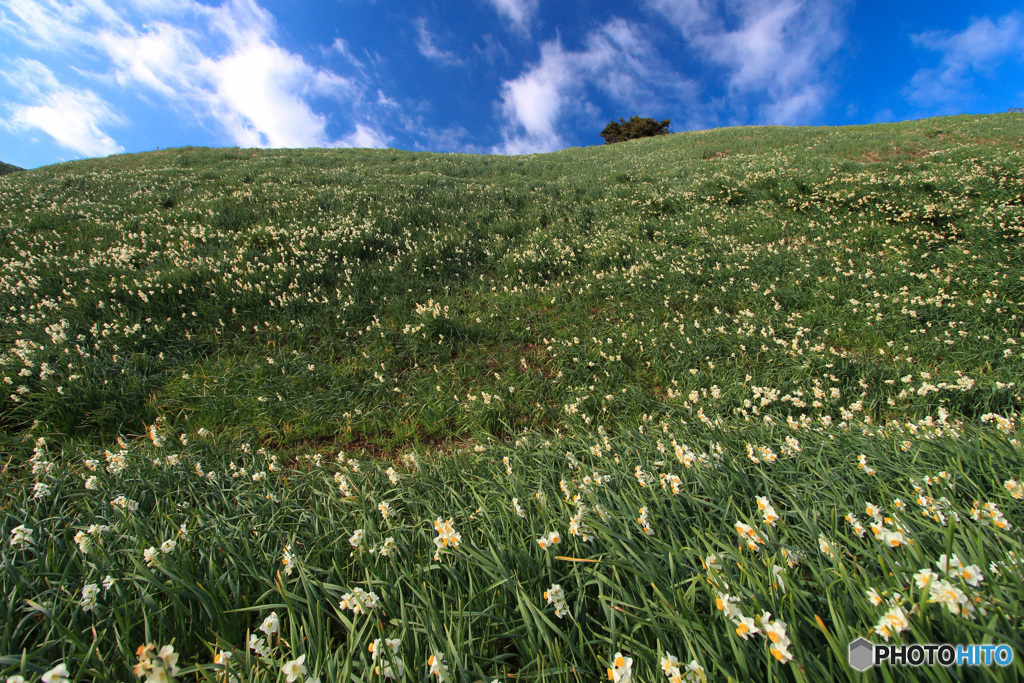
(8, 168)
(615, 301)
(585, 243)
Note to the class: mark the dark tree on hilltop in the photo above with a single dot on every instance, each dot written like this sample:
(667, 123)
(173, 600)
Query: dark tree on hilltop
(636, 127)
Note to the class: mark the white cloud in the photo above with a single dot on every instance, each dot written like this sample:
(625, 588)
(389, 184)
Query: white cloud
(773, 51)
(518, 12)
(257, 96)
(425, 44)
(219, 63)
(534, 101)
(365, 136)
(980, 48)
(617, 60)
(72, 117)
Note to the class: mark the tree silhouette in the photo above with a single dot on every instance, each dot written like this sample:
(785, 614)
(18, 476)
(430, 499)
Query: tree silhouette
(636, 127)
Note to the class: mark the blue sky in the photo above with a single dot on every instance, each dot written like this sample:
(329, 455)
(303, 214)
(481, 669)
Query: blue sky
(84, 78)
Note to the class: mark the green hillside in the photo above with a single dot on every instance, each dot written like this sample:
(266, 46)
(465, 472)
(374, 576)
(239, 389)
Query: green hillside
(795, 353)
(7, 168)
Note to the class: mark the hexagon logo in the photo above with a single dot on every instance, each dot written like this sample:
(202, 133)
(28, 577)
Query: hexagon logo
(862, 654)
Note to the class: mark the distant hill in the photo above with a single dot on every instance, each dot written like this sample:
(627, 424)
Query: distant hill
(7, 168)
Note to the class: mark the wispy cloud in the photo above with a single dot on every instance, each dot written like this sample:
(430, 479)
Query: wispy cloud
(341, 47)
(215, 62)
(519, 13)
(425, 44)
(450, 139)
(617, 60)
(160, 59)
(48, 25)
(492, 51)
(976, 51)
(773, 51)
(73, 117)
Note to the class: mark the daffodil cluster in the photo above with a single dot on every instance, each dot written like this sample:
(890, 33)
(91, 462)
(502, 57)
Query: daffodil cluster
(86, 539)
(827, 547)
(344, 485)
(446, 538)
(894, 621)
(768, 510)
(989, 513)
(288, 560)
(942, 589)
(644, 522)
(356, 540)
(749, 536)
(386, 652)
(747, 627)
(548, 540)
(892, 536)
(691, 673)
(556, 596)
(156, 666)
(21, 536)
(579, 528)
(359, 601)
(90, 594)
